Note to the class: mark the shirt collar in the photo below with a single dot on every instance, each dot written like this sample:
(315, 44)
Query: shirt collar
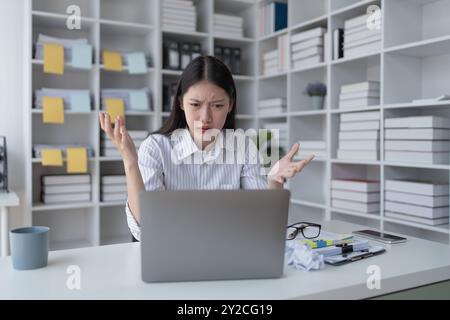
(185, 146)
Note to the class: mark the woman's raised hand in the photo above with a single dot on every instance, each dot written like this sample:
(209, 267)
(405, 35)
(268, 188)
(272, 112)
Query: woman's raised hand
(119, 136)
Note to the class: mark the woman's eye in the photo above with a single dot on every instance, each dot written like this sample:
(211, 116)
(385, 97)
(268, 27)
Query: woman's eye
(194, 104)
(218, 105)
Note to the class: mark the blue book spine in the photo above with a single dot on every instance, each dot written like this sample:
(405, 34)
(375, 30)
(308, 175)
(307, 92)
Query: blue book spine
(281, 15)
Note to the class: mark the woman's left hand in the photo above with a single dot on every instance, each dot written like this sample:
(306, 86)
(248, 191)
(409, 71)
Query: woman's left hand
(285, 168)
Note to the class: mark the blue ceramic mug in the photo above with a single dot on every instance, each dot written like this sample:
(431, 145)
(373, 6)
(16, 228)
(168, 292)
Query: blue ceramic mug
(29, 247)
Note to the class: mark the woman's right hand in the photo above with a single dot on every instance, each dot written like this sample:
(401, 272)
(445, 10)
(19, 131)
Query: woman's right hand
(120, 137)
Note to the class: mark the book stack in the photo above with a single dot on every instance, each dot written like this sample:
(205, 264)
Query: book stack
(179, 15)
(359, 95)
(359, 136)
(114, 188)
(272, 17)
(362, 37)
(356, 195)
(417, 201)
(270, 107)
(228, 26)
(133, 100)
(108, 149)
(307, 48)
(422, 139)
(279, 138)
(316, 147)
(277, 60)
(66, 43)
(65, 188)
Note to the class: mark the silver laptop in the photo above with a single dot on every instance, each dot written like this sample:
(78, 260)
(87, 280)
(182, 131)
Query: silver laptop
(213, 235)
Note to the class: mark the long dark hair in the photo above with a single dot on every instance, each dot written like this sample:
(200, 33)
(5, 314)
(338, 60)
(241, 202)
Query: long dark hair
(201, 68)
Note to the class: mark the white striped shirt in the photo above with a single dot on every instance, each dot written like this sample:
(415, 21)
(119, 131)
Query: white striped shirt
(180, 165)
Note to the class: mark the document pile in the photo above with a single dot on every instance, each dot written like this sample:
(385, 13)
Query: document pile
(37, 149)
(330, 248)
(77, 52)
(133, 99)
(307, 147)
(74, 100)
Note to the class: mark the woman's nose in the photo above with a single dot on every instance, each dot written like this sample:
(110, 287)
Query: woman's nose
(205, 113)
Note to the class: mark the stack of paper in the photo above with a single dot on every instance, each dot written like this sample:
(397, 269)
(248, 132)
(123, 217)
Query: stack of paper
(358, 95)
(423, 139)
(108, 149)
(228, 26)
(78, 52)
(37, 149)
(356, 195)
(114, 188)
(359, 136)
(417, 201)
(316, 147)
(277, 60)
(74, 100)
(307, 48)
(133, 99)
(65, 188)
(269, 107)
(279, 132)
(362, 35)
(179, 15)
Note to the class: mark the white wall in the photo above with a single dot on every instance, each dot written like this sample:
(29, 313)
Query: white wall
(12, 117)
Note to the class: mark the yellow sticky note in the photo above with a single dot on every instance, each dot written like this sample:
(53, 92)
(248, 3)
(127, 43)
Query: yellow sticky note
(51, 157)
(53, 110)
(112, 60)
(77, 160)
(114, 107)
(53, 58)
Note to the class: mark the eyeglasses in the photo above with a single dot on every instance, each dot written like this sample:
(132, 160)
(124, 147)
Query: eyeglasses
(309, 230)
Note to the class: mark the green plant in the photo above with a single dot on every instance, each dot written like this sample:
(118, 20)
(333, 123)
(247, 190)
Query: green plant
(316, 89)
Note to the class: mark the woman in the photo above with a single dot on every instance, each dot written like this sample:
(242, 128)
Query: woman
(183, 154)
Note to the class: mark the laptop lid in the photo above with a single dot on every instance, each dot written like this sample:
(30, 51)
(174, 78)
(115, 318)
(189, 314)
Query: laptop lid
(213, 235)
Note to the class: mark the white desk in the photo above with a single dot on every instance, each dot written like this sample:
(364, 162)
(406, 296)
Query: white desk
(114, 272)
(9, 199)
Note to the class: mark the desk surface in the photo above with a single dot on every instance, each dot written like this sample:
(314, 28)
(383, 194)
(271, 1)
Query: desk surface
(114, 272)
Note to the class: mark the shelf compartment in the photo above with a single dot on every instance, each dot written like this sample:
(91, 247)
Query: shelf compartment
(134, 11)
(39, 170)
(309, 185)
(88, 8)
(83, 231)
(356, 172)
(353, 71)
(312, 127)
(246, 92)
(113, 225)
(299, 100)
(407, 78)
(169, 37)
(247, 55)
(245, 9)
(301, 11)
(412, 21)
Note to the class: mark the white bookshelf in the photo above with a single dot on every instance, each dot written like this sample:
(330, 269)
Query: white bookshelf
(414, 63)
